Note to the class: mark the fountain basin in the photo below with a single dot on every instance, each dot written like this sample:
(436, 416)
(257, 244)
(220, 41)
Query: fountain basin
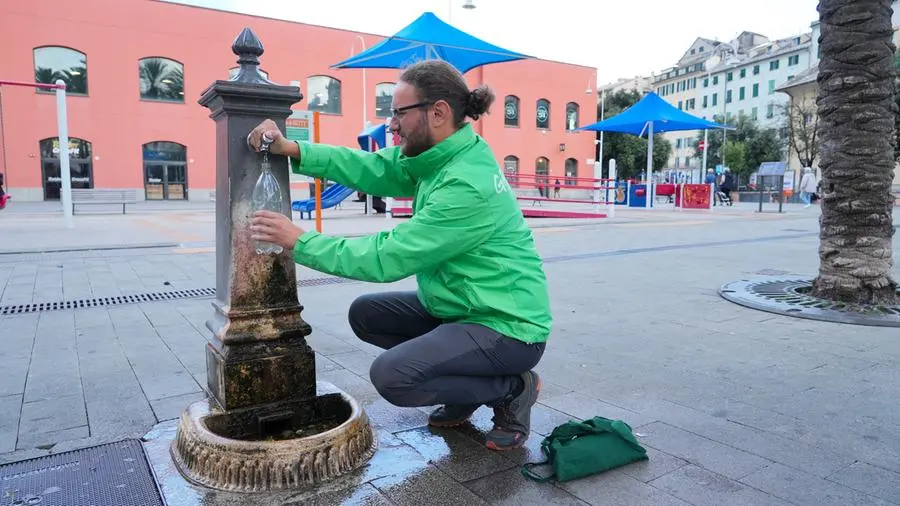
(281, 446)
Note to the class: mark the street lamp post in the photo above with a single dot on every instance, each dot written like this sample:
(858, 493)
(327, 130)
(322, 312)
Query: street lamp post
(468, 4)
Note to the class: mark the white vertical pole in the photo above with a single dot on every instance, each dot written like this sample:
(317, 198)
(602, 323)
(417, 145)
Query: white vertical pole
(705, 150)
(649, 165)
(602, 114)
(389, 207)
(65, 171)
(598, 175)
(611, 203)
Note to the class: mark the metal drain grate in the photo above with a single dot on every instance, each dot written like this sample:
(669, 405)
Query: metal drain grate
(329, 280)
(790, 297)
(117, 300)
(115, 474)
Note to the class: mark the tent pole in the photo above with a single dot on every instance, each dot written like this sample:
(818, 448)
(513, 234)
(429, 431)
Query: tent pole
(649, 164)
(705, 150)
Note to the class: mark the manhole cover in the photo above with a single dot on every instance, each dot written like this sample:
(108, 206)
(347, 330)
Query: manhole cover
(115, 474)
(789, 297)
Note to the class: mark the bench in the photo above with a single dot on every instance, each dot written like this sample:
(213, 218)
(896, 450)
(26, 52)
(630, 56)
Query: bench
(98, 196)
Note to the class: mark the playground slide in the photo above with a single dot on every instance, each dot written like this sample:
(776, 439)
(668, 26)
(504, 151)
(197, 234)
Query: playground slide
(334, 195)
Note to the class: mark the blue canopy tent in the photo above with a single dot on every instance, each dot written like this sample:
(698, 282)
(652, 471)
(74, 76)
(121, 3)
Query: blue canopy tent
(429, 38)
(652, 114)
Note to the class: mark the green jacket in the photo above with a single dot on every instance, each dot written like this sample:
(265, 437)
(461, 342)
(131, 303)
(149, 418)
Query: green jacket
(473, 255)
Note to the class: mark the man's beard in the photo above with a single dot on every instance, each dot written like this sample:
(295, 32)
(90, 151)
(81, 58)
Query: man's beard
(416, 141)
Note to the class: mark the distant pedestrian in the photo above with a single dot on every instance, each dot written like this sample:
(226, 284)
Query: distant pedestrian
(556, 189)
(808, 186)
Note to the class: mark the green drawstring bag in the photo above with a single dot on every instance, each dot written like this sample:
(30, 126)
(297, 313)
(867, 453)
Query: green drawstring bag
(578, 449)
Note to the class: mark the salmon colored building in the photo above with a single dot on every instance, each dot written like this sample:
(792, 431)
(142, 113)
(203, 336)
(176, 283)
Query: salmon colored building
(135, 69)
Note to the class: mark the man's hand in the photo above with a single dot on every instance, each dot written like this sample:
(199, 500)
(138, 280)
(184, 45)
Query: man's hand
(276, 228)
(280, 145)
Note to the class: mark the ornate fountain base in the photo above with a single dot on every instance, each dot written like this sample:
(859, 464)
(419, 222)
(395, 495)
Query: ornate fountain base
(275, 447)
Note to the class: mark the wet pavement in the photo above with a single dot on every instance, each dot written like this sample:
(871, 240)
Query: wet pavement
(735, 406)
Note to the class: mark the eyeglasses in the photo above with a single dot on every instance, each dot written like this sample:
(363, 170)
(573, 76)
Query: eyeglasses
(400, 111)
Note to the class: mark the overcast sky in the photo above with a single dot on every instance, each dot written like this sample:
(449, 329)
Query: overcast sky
(621, 38)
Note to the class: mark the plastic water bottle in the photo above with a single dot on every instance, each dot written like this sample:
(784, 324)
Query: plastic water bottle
(267, 196)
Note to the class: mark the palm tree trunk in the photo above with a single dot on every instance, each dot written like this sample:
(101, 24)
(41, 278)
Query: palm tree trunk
(856, 118)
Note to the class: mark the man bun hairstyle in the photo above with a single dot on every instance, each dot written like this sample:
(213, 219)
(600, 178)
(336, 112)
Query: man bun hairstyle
(480, 100)
(438, 80)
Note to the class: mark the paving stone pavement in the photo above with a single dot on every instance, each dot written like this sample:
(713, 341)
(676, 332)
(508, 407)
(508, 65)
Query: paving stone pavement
(735, 406)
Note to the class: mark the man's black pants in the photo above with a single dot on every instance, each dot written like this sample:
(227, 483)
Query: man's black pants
(428, 362)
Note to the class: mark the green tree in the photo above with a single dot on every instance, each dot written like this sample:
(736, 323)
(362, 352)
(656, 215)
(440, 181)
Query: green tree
(629, 151)
(762, 144)
(856, 152)
(736, 156)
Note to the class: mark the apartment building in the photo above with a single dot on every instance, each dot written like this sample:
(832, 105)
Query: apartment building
(639, 84)
(727, 79)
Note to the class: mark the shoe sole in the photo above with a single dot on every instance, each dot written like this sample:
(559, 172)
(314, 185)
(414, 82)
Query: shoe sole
(451, 424)
(521, 442)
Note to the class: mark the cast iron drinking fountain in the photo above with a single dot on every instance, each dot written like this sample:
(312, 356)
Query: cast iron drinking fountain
(268, 425)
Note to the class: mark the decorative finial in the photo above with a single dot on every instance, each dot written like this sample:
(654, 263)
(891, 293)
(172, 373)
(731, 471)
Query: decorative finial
(248, 48)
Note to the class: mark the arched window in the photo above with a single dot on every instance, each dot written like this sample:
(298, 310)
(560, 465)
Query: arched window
(571, 116)
(384, 94)
(323, 94)
(165, 170)
(161, 79)
(233, 72)
(55, 62)
(571, 171)
(511, 111)
(542, 170)
(542, 114)
(80, 165)
(511, 170)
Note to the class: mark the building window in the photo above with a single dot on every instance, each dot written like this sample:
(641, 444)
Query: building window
(743, 73)
(161, 79)
(542, 114)
(571, 116)
(705, 101)
(728, 97)
(770, 111)
(715, 80)
(384, 94)
(54, 62)
(754, 113)
(729, 76)
(793, 60)
(165, 171)
(233, 72)
(706, 82)
(81, 166)
(511, 170)
(679, 105)
(741, 93)
(571, 171)
(511, 112)
(773, 65)
(755, 69)
(324, 94)
(755, 90)
(715, 99)
(771, 87)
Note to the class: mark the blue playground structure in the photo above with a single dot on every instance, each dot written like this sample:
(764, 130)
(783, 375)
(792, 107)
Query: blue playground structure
(332, 196)
(369, 140)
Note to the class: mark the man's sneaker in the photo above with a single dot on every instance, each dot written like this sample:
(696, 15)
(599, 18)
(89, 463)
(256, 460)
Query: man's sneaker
(512, 418)
(452, 415)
